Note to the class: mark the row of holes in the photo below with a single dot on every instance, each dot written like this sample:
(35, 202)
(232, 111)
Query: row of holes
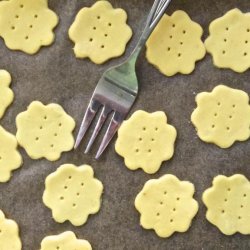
(225, 40)
(149, 150)
(152, 139)
(219, 104)
(13, 27)
(95, 28)
(144, 128)
(66, 187)
(247, 30)
(17, 16)
(91, 39)
(230, 116)
(60, 125)
(227, 128)
(224, 52)
(171, 220)
(169, 48)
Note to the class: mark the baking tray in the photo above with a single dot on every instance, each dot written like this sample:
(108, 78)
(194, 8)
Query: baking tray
(55, 75)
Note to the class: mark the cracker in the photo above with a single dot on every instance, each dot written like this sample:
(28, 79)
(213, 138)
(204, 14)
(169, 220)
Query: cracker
(146, 140)
(72, 193)
(7, 95)
(175, 44)
(229, 41)
(228, 204)
(10, 159)
(27, 25)
(100, 32)
(9, 234)
(166, 205)
(45, 131)
(64, 241)
(222, 116)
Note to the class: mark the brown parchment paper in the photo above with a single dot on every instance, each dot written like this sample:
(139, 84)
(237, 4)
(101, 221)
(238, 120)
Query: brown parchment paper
(55, 75)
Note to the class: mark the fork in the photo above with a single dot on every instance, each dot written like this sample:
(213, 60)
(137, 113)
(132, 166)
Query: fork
(117, 89)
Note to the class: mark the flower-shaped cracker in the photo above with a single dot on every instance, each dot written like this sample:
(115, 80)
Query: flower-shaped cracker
(229, 41)
(45, 131)
(100, 32)
(10, 158)
(166, 205)
(72, 193)
(9, 234)
(7, 95)
(64, 241)
(228, 204)
(145, 140)
(27, 25)
(222, 116)
(175, 44)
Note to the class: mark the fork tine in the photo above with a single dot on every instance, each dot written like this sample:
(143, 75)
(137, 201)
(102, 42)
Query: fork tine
(99, 124)
(112, 128)
(87, 119)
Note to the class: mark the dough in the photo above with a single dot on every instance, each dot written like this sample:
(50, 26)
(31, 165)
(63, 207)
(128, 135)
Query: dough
(100, 32)
(175, 44)
(222, 116)
(64, 241)
(6, 94)
(10, 158)
(145, 140)
(45, 131)
(27, 25)
(9, 234)
(229, 41)
(166, 205)
(72, 193)
(228, 204)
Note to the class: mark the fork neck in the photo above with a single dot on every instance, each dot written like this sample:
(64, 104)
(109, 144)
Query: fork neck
(157, 11)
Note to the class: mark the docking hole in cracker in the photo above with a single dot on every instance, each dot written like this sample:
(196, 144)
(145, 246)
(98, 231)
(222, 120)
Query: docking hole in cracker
(166, 205)
(10, 158)
(27, 25)
(64, 241)
(222, 116)
(9, 234)
(45, 131)
(7, 95)
(228, 204)
(229, 41)
(100, 32)
(175, 44)
(145, 140)
(72, 193)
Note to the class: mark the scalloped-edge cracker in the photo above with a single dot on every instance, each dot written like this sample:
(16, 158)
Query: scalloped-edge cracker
(72, 193)
(166, 205)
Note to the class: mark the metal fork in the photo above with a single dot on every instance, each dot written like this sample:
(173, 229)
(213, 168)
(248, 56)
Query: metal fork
(117, 89)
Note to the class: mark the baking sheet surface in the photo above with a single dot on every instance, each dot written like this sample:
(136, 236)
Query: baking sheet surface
(55, 75)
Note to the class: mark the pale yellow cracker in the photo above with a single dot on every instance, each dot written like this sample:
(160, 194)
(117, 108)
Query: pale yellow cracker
(228, 204)
(64, 241)
(9, 234)
(175, 44)
(229, 41)
(146, 140)
(27, 25)
(6, 94)
(72, 193)
(45, 131)
(100, 32)
(166, 205)
(10, 159)
(222, 116)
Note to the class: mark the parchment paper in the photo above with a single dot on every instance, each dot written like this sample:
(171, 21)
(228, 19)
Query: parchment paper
(55, 75)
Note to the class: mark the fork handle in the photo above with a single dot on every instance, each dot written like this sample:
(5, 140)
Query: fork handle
(154, 17)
